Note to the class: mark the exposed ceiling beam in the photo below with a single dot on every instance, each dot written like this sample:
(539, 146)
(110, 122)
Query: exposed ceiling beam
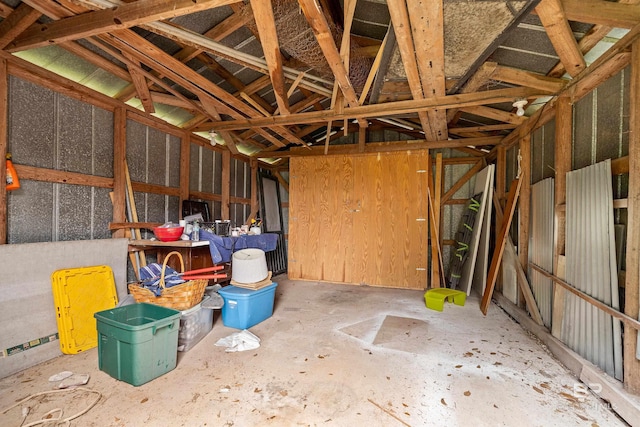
(51, 9)
(427, 26)
(187, 53)
(495, 114)
(265, 21)
(119, 56)
(19, 20)
(230, 78)
(320, 27)
(167, 65)
(402, 28)
(168, 99)
(555, 22)
(482, 75)
(589, 41)
(191, 38)
(98, 22)
(140, 83)
(129, 42)
(529, 79)
(337, 97)
(388, 146)
(375, 68)
(586, 43)
(485, 128)
(56, 11)
(229, 142)
(517, 16)
(391, 108)
(217, 33)
(204, 43)
(602, 12)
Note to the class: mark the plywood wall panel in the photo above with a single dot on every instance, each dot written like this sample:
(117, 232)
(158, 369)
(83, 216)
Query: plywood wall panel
(299, 216)
(338, 251)
(359, 219)
(371, 222)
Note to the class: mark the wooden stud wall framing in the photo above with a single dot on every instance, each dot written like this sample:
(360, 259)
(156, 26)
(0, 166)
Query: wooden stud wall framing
(226, 178)
(564, 130)
(11, 65)
(4, 82)
(119, 164)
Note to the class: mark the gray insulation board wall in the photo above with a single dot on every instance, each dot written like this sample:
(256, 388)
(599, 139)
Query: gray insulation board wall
(50, 130)
(27, 309)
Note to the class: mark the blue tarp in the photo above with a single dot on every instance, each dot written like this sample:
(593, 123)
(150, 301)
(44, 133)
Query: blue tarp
(150, 277)
(221, 247)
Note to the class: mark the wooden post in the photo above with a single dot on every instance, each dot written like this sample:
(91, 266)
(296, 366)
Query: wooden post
(255, 203)
(362, 139)
(226, 184)
(4, 98)
(563, 137)
(185, 165)
(119, 167)
(632, 285)
(524, 203)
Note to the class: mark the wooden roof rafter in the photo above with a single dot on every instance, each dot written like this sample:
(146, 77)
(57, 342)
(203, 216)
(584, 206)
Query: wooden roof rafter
(200, 42)
(140, 83)
(167, 65)
(58, 11)
(554, 20)
(126, 15)
(133, 59)
(22, 17)
(265, 21)
(186, 53)
(319, 24)
(402, 28)
(427, 26)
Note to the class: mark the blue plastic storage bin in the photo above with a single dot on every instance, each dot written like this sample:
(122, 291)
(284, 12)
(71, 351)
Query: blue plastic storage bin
(244, 308)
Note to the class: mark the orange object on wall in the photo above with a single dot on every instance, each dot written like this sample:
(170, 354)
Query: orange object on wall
(13, 183)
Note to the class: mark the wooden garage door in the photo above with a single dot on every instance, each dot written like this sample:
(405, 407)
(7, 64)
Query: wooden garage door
(360, 219)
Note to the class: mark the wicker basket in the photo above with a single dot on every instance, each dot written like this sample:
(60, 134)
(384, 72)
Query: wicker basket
(179, 297)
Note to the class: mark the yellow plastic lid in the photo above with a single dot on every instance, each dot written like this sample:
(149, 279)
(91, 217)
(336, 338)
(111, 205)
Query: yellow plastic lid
(79, 293)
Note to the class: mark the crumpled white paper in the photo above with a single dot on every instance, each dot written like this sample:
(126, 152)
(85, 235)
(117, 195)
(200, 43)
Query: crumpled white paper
(239, 341)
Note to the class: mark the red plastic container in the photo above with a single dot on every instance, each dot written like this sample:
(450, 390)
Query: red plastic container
(168, 234)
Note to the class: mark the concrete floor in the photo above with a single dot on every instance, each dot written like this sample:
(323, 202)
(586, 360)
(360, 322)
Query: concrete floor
(337, 355)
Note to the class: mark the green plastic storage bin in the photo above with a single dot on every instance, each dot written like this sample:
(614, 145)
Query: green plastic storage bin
(137, 343)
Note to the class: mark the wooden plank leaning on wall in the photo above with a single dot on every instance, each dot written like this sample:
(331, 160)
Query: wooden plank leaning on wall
(632, 285)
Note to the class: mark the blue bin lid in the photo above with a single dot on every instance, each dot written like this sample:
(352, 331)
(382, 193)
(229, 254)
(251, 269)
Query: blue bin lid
(235, 291)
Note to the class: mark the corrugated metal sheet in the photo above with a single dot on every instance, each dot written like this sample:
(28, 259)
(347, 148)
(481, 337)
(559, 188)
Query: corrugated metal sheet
(591, 268)
(541, 245)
